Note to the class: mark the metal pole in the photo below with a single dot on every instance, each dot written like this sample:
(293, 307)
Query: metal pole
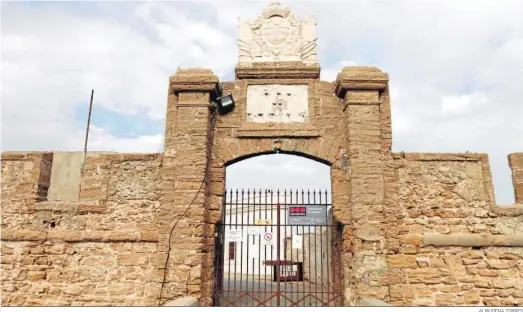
(87, 130)
(278, 268)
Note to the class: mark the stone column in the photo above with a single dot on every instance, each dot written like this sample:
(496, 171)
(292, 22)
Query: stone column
(363, 91)
(187, 132)
(515, 161)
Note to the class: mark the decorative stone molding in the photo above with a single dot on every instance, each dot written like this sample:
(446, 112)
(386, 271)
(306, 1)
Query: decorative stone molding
(72, 207)
(264, 131)
(7, 156)
(80, 236)
(277, 35)
(472, 240)
(360, 78)
(283, 70)
(195, 80)
(440, 156)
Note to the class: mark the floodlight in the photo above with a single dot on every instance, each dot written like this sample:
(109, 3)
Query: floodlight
(225, 104)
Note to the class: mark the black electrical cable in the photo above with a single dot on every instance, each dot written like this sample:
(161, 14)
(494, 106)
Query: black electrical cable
(208, 152)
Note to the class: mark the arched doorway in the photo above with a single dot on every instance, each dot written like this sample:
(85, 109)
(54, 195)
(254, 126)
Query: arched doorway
(277, 237)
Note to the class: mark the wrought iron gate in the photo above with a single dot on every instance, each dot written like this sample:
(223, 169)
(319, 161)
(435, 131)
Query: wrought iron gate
(277, 249)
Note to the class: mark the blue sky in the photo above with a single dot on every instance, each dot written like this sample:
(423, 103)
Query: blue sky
(455, 69)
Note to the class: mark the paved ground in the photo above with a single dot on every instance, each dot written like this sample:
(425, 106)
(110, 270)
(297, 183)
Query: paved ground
(253, 292)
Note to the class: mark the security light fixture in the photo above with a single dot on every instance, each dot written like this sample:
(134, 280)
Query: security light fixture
(225, 104)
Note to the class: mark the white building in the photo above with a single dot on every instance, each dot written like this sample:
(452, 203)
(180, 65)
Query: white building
(251, 237)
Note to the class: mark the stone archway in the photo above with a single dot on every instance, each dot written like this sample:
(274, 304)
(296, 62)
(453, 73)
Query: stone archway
(349, 130)
(282, 104)
(310, 272)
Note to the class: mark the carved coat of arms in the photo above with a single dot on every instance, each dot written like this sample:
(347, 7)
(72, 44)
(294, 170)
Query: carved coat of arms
(277, 36)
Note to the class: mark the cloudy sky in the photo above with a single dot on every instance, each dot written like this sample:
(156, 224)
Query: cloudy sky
(456, 70)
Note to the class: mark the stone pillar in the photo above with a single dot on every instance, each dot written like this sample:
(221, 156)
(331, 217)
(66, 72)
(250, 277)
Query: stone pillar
(186, 136)
(515, 161)
(363, 91)
(26, 179)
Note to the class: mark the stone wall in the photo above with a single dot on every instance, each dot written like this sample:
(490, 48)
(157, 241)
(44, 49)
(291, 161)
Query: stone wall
(411, 229)
(453, 246)
(101, 250)
(516, 165)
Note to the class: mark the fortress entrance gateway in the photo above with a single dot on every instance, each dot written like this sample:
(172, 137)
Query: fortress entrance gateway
(405, 229)
(275, 248)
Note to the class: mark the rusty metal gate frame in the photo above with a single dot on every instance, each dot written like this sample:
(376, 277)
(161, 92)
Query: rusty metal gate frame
(289, 291)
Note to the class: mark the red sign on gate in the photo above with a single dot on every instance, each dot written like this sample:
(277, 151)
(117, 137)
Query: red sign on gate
(298, 211)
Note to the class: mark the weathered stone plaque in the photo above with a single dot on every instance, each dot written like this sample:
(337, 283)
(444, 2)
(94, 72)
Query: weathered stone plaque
(276, 36)
(277, 103)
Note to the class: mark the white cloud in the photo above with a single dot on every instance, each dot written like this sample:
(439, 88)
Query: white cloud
(277, 163)
(99, 140)
(461, 104)
(52, 58)
(330, 73)
(278, 171)
(457, 66)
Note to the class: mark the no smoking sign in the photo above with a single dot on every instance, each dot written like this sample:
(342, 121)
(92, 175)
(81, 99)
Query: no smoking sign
(267, 238)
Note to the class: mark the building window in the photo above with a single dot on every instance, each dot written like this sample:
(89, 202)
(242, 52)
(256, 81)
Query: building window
(232, 250)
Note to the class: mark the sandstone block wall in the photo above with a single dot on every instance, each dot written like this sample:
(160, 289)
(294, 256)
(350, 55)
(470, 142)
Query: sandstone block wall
(410, 229)
(453, 246)
(101, 250)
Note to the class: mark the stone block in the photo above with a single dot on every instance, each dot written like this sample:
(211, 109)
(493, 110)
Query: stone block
(149, 236)
(56, 249)
(445, 299)
(426, 276)
(131, 259)
(73, 289)
(502, 283)
(23, 235)
(36, 276)
(119, 290)
(402, 261)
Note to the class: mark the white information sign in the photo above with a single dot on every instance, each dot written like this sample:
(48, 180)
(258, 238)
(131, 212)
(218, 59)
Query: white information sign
(234, 235)
(254, 231)
(267, 239)
(297, 241)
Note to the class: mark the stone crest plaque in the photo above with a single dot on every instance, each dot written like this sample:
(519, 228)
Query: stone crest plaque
(277, 36)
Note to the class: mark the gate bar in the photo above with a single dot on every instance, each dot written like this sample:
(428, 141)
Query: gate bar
(278, 291)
